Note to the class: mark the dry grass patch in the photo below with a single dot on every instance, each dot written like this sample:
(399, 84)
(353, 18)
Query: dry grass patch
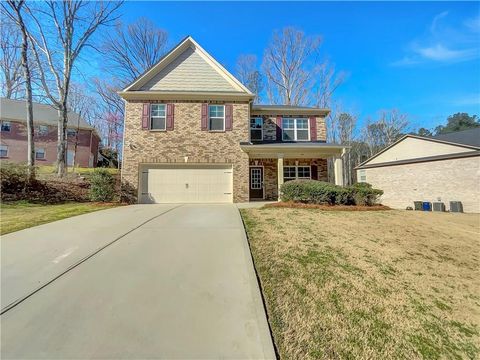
(383, 284)
(325, 207)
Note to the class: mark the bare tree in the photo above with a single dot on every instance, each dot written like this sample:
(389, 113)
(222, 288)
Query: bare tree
(390, 126)
(73, 23)
(15, 13)
(249, 75)
(327, 82)
(10, 59)
(295, 72)
(341, 129)
(128, 52)
(83, 105)
(132, 49)
(346, 133)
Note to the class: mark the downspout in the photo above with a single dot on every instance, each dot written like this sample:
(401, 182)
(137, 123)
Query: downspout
(90, 147)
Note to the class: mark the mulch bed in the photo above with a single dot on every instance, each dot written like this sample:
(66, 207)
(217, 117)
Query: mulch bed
(297, 205)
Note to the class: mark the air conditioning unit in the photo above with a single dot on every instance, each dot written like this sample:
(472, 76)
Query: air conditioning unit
(418, 205)
(427, 206)
(438, 206)
(456, 206)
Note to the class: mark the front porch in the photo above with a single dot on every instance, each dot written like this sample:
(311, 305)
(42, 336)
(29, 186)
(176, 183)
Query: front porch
(273, 164)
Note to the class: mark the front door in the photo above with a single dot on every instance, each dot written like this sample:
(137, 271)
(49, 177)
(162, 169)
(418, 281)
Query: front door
(256, 182)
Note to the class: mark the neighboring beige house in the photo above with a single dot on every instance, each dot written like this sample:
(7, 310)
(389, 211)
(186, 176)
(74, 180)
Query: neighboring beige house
(415, 168)
(192, 134)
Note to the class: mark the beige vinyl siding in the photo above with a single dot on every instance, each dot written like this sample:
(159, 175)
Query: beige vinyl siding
(189, 72)
(412, 148)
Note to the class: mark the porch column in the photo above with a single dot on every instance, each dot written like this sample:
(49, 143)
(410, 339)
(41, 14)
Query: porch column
(338, 169)
(280, 173)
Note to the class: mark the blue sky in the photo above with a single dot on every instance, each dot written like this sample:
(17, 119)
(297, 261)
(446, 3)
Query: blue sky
(421, 58)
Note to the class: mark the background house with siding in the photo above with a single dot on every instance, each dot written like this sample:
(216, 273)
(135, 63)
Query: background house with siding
(13, 135)
(415, 168)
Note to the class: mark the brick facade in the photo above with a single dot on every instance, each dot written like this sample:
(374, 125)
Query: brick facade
(16, 140)
(449, 180)
(186, 140)
(270, 172)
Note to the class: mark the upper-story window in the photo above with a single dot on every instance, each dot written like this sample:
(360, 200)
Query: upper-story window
(43, 130)
(158, 117)
(216, 117)
(256, 129)
(71, 132)
(295, 129)
(6, 126)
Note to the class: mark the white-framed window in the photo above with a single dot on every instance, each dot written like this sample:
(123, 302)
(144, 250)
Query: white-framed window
(362, 176)
(216, 117)
(296, 172)
(39, 153)
(5, 126)
(289, 173)
(3, 151)
(256, 129)
(71, 132)
(303, 172)
(295, 129)
(158, 117)
(43, 130)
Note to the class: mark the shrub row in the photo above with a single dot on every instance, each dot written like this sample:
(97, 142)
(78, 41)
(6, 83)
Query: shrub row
(320, 192)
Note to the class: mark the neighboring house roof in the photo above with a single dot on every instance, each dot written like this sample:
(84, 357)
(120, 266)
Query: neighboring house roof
(15, 110)
(465, 137)
(261, 109)
(187, 69)
(444, 150)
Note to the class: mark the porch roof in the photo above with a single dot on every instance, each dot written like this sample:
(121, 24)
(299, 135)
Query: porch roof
(260, 109)
(293, 149)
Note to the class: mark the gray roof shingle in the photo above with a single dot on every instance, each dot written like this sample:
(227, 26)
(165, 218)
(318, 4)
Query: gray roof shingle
(465, 137)
(15, 110)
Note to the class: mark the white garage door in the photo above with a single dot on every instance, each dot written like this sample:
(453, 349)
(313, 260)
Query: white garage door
(212, 184)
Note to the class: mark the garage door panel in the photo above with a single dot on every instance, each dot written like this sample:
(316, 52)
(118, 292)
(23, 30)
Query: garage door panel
(187, 185)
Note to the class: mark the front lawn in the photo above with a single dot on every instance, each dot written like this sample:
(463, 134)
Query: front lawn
(369, 285)
(21, 215)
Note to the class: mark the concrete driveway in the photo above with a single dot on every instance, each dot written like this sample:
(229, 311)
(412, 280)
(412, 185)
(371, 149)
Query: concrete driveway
(164, 281)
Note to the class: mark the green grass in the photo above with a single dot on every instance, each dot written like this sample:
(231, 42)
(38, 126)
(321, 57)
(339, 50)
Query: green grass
(21, 215)
(50, 169)
(363, 285)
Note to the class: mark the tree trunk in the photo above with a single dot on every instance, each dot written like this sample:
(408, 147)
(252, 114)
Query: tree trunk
(61, 140)
(28, 90)
(76, 142)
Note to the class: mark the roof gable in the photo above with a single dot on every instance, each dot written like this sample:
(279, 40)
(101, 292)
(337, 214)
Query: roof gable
(414, 147)
(188, 68)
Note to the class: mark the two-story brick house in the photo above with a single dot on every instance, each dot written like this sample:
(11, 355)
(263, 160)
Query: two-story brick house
(193, 134)
(13, 135)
